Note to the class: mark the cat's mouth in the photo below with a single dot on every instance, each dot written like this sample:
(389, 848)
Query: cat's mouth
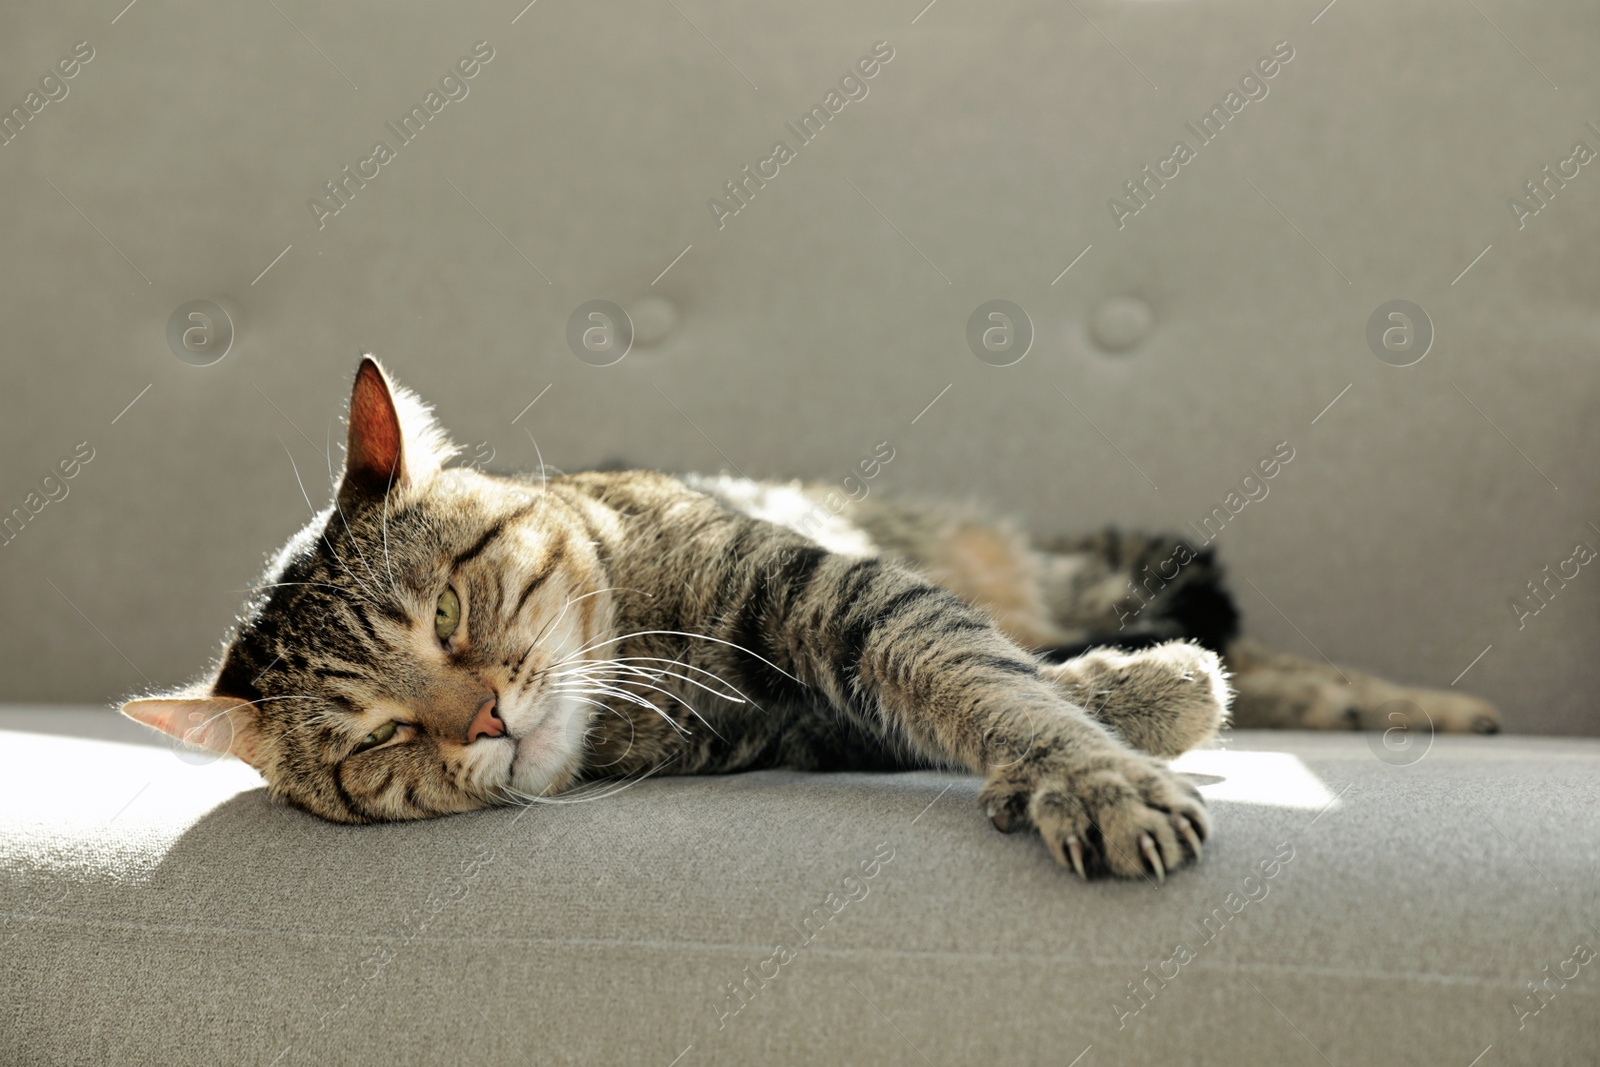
(542, 753)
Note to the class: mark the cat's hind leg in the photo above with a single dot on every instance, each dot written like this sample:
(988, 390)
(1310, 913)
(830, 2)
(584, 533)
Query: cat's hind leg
(1162, 700)
(1279, 690)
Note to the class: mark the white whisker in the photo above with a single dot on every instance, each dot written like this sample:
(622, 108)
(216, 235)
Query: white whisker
(592, 729)
(296, 468)
(606, 689)
(742, 698)
(245, 704)
(383, 527)
(653, 675)
(527, 799)
(327, 453)
(544, 479)
(634, 698)
(681, 633)
(546, 628)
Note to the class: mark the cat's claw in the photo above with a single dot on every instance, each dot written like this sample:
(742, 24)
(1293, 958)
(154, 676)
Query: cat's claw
(1075, 850)
(1005, 818)
(1069, 851)
(1186, 828)
(1101, 811)
(1152, 855)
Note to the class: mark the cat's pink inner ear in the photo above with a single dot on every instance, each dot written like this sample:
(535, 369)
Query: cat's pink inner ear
(375, 455)
(220, 724)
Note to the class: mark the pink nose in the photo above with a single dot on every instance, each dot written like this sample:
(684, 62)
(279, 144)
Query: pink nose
(487, 722)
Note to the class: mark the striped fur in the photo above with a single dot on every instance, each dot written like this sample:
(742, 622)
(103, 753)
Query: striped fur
(620, 624)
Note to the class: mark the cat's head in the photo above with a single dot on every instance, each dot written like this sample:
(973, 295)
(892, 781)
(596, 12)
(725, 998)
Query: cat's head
(401, 658)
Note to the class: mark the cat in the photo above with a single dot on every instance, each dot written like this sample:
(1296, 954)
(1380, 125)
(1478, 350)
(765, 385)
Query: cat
(441, 640)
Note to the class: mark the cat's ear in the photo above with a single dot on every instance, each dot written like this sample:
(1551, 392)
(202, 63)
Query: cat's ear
(393, 440)
(225, 725)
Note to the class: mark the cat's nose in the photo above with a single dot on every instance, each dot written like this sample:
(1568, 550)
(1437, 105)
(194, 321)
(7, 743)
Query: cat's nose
(487, 723)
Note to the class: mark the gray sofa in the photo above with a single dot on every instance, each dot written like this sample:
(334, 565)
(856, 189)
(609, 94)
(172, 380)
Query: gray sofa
(1358, 905)
(156, 911)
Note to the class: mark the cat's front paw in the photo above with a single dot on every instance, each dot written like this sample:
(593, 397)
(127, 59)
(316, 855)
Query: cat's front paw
(1163, 700)
(1106, 811)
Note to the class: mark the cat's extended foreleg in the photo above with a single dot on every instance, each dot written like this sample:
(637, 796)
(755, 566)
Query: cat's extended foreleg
(911, 662)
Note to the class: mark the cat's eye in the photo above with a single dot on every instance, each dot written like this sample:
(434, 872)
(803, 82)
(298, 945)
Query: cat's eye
(447, 613)
(378, 736)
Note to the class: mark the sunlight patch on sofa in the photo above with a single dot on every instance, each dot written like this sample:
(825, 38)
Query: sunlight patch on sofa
(1274, 779)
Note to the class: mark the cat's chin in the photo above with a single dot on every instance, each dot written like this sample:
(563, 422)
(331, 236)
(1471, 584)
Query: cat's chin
(546, 757)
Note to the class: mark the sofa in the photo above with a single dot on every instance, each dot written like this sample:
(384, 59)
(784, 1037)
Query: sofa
(1430, 902)
(1376, 255)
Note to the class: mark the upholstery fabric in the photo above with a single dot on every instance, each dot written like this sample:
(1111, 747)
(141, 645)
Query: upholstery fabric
(162, 912)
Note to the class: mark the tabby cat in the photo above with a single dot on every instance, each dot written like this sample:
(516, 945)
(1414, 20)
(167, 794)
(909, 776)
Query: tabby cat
(441, 640)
